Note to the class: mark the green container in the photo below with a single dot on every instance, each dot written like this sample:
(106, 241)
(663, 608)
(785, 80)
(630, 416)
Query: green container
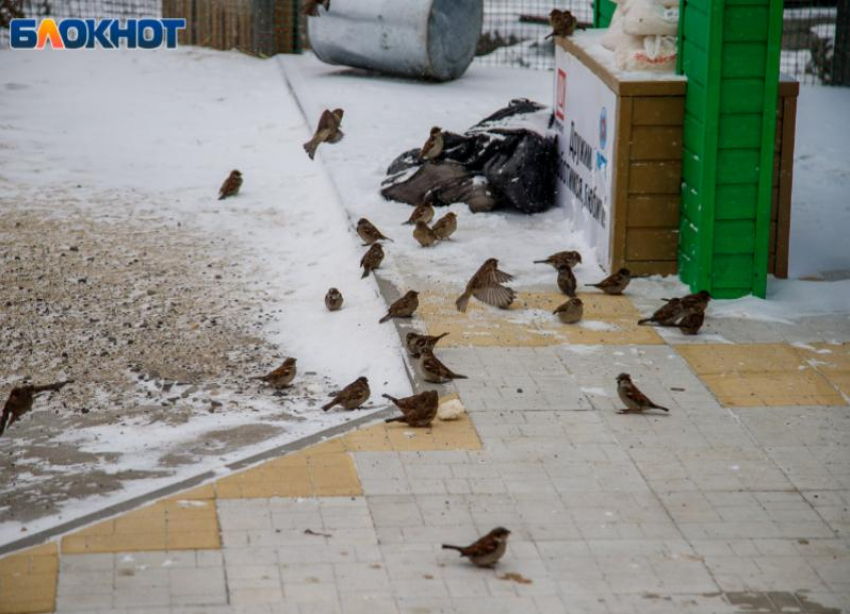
(603, 10)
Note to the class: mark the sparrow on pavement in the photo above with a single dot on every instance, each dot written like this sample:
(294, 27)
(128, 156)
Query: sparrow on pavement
(425, 235)
(563, 23)
(421, 213)
(416, 343)
(636, 401)
(696, 302)
(486, 286)
(434, 371)
(311, 7)
(570, 258)
(418, 410)
(20, 401)
(280, 377)
(691, 323)
(369, 233)
(445, 226)
(372, 259)
(487, 551)
(616, 283)
(333, 299)
(666, 315)
(326, 132)
(567, 280)
(433, 147)
(352, 396)
(403, 307)
(231, 185)
(571, 311)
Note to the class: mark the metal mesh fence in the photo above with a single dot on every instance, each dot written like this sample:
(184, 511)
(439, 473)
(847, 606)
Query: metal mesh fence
(514, 31)
(259, 27)
(810, 34)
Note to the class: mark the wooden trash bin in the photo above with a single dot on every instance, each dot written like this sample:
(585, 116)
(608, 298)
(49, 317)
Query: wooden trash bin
(632, 212)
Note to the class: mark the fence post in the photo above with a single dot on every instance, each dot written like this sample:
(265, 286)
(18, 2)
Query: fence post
(841, 51)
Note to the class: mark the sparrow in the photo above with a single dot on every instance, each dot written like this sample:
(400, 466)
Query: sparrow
(418, 410)
(231, 185)
(333, 299)
(636, 401)
(369, 233)
(486, 285)
(616, 283)
(403, 307)
(571, 311)
(433, 147)
(20, 401)
(563, 23)
(445, 226)
(326, 132)
(372, 259)
(691, 323)
(282, 376)
(487, 551)
(416, 343)
(421, 213)
(572, 259)
(696, 302)
(667, 315)
(425, 235)
(311, 7)
(352, 396)
(566, 280)
(434, 371)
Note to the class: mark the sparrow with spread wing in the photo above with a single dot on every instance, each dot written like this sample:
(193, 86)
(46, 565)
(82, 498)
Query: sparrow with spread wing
(326, 132)
(486, 286)
(20, 401)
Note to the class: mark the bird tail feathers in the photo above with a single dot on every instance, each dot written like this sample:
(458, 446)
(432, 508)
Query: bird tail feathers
(450, 547)
(310, 147)
(462, 302)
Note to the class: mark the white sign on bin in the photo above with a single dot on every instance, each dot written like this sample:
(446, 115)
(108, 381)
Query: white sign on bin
(585, 118)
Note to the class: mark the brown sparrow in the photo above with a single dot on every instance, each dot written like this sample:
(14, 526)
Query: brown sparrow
(282, 376)
(352, 396)
(433, 147)
(487, 551)
(369, 233)
(567, 280)
(572, 259)
(418, 410)
(333, 299)
(571, 311)
(421, 213)
(486, 285)
(326, 132)
(616, 283)
(20, 401)
(434, 371)
(311, 7)
(636, 401)
(372, 259)
(416, 343)
(563, 23)
(691, 323)
(696, 302)
(403, 307)
(425, 235)
(231, 185)
(445, 226)
(667, 315)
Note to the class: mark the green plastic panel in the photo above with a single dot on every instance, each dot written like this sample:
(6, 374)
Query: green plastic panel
(603, 10)
(729, 50)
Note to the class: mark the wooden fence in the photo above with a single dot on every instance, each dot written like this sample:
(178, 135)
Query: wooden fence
(258, 27)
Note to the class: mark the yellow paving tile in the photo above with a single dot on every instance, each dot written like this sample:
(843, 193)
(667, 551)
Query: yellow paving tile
(187, 521)
(457, 434)
(529, 322)
(323, 470)
(28, 580)
(831, 360)
(771, 375)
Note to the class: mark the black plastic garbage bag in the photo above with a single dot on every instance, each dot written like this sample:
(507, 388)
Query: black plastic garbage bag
(506, 160)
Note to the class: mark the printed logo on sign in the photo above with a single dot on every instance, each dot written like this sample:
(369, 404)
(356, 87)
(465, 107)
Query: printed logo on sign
(562, 94)
(603, 128)
(91, 33)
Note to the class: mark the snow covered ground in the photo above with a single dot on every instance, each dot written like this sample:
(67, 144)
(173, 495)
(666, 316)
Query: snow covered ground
(142, 140)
